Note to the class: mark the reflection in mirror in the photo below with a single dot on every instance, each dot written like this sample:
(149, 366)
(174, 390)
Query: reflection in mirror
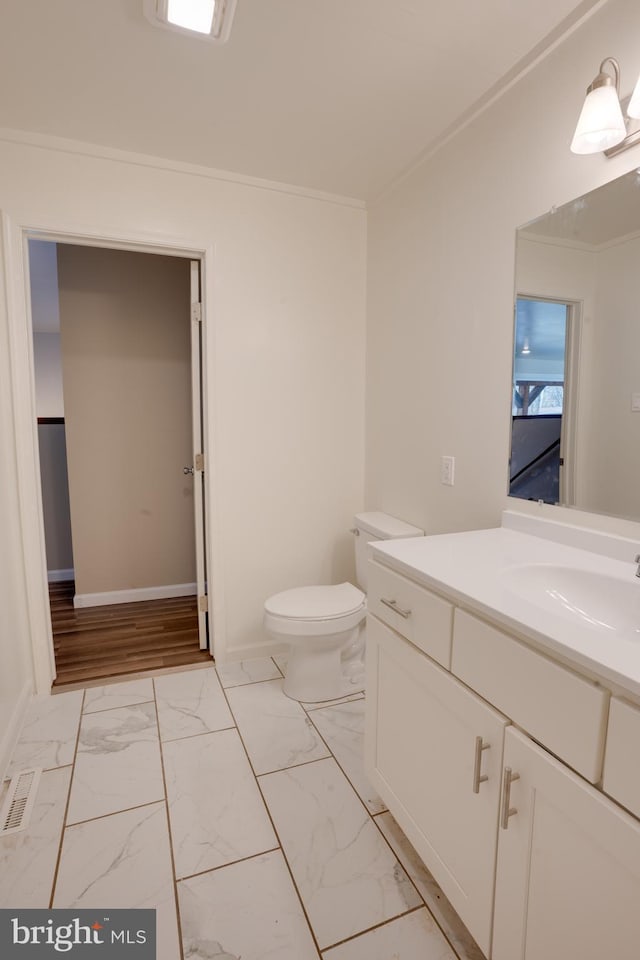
(575, 436)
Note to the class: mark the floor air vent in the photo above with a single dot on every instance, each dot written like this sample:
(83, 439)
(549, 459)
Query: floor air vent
(16, 809)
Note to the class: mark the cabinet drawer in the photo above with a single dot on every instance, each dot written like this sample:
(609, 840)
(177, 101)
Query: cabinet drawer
(412, 611)
(562, 711)
(621, 771)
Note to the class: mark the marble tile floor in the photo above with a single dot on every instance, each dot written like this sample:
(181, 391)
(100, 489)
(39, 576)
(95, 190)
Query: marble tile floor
(243, 817)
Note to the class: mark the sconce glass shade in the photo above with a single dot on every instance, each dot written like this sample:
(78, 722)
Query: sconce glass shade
(633, 109)
(601, 124)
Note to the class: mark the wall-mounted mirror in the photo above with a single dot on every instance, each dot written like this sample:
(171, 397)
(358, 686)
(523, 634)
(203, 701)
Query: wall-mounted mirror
(575, 436)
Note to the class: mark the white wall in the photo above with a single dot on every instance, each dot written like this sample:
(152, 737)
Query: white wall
(615, 469)
(43, 277)
(441, 283)
(285, 344)
(15, 658)
(48, 375)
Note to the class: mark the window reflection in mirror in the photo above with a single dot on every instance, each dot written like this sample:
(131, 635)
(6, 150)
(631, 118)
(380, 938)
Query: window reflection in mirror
(581, 262)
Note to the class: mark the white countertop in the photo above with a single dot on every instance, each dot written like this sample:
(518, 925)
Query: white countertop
(479, 570)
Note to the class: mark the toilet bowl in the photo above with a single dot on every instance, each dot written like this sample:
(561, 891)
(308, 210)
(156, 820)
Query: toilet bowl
(324, 625)
(318, 622)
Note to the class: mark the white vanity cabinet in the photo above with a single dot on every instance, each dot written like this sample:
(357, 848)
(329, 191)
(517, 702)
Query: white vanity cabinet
(568, 871)
(434, 752)
(497, 761)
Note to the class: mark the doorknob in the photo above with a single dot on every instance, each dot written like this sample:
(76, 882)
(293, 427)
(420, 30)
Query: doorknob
(187, 471)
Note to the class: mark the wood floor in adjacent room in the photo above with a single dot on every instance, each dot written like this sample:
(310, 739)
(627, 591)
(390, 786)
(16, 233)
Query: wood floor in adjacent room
(96, 643)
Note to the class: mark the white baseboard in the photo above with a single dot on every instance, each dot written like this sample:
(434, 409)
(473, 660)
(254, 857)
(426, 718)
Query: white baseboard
(11, 732)
(255, 652)
(55, 576)
(133, 596)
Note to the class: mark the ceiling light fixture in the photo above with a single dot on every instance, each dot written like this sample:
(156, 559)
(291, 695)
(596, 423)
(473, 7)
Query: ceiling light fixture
(601, 125)
(206, 19)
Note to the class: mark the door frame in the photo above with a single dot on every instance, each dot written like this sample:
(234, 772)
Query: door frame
(15, 237)
(569, 428)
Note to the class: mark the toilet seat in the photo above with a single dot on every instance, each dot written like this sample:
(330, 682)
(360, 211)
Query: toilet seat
(316, 603)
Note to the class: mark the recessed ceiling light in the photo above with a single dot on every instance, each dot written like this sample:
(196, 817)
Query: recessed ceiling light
(207, 19)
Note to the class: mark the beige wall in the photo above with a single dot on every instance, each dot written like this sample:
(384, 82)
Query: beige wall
(126, 355)
(441, 283)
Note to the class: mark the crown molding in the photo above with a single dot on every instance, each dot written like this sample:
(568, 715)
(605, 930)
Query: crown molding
(97, 151)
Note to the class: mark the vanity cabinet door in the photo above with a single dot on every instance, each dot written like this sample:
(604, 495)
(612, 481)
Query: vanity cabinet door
(568, 876)
(423, 751)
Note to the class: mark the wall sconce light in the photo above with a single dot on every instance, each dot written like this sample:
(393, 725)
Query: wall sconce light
(601, 125)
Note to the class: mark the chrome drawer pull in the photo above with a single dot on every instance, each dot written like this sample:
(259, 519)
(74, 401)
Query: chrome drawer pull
(479, 777)
(507, 810)
(393, 605)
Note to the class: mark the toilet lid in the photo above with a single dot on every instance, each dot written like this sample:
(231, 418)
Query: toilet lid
(316, 603)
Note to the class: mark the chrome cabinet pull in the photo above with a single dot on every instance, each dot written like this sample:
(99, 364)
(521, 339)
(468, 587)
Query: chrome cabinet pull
(507, 810)
(478, 776)
(393, 605)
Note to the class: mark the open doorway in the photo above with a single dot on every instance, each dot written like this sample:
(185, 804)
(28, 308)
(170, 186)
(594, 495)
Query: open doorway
(545, 348)
(119, 381)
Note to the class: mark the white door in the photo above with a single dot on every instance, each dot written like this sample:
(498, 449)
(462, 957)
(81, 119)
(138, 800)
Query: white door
(434, 753)
(198, 451)
(568, 876)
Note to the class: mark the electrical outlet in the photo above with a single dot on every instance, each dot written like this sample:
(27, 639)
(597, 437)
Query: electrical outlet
(447, 467)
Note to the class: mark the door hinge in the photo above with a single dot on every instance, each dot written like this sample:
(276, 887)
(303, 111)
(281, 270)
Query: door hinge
(199, 461)
(203, 603)
(196, 312)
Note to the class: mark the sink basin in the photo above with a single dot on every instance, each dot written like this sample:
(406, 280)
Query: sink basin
(600, 601)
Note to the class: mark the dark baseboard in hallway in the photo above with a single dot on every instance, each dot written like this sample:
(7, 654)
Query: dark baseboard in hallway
(94, 643)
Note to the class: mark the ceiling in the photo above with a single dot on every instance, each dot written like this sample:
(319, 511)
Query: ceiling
(334, 95)
(607, 215)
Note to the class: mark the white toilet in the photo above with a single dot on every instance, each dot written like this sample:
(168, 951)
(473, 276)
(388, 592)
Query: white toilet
(324, 626)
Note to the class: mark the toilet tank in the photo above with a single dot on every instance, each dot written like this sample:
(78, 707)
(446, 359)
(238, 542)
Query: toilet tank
(377, 526)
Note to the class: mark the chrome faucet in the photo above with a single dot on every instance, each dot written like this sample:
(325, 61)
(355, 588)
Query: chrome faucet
(637, 560)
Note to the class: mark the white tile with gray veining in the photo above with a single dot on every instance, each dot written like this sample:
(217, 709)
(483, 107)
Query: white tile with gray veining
(281, 663)
(453, 927)
(216, 811)
(245, 911)
(330, 703)
(276, 731)
(342, 728)
(118, 695)
(415, 936)
(238, 672)
(348, 878)
(118, 762)
(28, 858)
(122, 861)
(48, 736)
(191, 702)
